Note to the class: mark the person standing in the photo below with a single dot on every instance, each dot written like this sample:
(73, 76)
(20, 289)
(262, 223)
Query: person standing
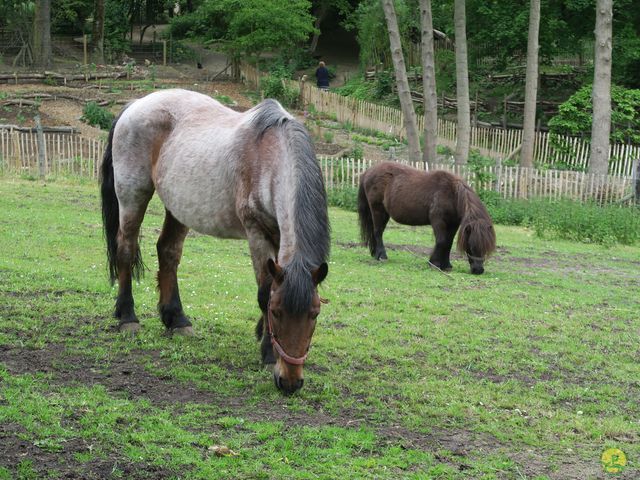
(322, 77)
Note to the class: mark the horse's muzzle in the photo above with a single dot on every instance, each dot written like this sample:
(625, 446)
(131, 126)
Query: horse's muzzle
(477, 270)
(287, 387)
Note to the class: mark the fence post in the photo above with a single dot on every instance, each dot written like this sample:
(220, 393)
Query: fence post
(637, 181)
(41, 156)
(164, 53)
(84, 49)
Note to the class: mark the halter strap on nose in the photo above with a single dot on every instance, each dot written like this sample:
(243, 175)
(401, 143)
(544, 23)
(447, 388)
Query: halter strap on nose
(274, 341)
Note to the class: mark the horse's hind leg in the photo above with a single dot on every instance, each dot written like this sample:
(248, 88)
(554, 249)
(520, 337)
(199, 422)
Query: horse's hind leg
(380, 218)
(169, 248)
(129, 263)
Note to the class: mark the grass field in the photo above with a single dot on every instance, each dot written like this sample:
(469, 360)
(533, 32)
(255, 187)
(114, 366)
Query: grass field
(531, 370)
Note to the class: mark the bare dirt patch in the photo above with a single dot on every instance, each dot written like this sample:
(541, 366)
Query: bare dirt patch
(20, 455)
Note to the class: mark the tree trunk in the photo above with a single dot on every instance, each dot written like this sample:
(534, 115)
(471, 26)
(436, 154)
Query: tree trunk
(409, 114)
(462, 84)
(97, 33)
(430, 97)
(42, 34)
(601, 126)
(320, 16)
(531, 87)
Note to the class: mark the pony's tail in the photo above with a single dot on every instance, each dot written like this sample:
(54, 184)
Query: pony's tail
(366, 220)
(476, 231)
(111, 212)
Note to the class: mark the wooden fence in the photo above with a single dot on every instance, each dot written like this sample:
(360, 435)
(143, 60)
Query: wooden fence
(65, 154)
(551, 151)
(74, 155)
(509, 182)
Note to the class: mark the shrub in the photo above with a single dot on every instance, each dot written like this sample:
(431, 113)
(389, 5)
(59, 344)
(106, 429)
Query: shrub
(274, 87)
(97, 116)
(566, 219)
(345, 197)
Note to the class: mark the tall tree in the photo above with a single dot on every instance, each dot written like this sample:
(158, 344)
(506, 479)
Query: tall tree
(601, 126)
(531, 87)
(97, 32)
(462, 84)
(321, 9)
(42, 55)
(430, 96)
(409, 114)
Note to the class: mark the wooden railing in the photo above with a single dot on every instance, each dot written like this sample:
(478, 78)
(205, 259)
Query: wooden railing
(74, 155)
(65, 154)
(496, 143)
(509, 182)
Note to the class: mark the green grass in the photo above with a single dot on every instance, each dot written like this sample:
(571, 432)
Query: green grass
(528, 371)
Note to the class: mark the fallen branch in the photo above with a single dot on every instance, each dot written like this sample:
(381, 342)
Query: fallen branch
(61, 129)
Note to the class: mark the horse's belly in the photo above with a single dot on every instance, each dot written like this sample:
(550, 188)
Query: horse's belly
(408, 216)
(204, 202)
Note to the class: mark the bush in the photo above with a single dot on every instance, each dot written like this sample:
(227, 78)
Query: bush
(274, 87)
(97, 116)
(566, 219)
(345, 197)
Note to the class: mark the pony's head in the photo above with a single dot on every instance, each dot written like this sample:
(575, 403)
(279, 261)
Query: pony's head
(294, 305)
(477, 240)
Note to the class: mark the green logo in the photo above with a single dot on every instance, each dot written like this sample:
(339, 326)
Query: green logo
(613, 460)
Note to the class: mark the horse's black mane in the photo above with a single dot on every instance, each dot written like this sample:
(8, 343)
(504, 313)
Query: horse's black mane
(311, 221)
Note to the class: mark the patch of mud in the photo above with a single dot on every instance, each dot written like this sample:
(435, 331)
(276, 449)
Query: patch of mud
(20, 456)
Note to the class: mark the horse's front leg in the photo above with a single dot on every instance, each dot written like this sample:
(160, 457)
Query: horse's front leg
(262, 249)
(169, 249)
(441, 255)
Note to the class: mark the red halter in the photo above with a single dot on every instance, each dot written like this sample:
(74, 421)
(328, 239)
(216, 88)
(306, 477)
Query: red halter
(287, 358)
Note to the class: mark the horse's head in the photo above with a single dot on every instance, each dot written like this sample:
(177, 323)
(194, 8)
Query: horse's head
(291, 331)
(476, 263)
(477, 240)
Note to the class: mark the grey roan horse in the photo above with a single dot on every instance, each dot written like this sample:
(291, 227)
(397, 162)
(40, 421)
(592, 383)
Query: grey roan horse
(247, 175)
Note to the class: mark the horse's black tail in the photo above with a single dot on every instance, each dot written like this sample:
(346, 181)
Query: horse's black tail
(111, 212)
(476, 231)
(366, 220)
(110, 207)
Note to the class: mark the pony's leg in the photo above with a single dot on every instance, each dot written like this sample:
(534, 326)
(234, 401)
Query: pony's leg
(262, 249)
(169, 249)
(380, 219)
(129, 263)
(441, 255)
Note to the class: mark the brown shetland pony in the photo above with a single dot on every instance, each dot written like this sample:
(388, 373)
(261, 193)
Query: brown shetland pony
(250, 175)
(415, 197)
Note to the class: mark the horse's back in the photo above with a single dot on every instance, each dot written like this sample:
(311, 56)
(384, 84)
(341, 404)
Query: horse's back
(412, 196)
(181, 144)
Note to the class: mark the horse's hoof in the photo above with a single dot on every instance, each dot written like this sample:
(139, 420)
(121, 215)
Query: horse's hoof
(129, 328)
(183, 331)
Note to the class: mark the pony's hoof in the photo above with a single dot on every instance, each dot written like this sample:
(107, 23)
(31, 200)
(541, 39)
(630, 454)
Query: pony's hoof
(183, 331)
(130, 328)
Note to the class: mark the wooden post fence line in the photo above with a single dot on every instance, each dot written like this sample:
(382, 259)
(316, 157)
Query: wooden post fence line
(74, 155)
(552, 151)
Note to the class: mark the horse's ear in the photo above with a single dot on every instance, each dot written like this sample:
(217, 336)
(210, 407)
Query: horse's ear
(320, 273)
(275, 270)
